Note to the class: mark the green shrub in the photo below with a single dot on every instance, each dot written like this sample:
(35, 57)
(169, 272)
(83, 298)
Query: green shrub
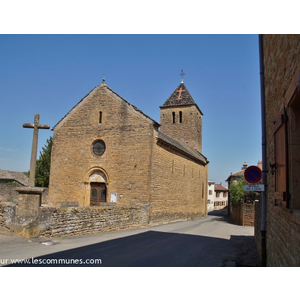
(236, 191)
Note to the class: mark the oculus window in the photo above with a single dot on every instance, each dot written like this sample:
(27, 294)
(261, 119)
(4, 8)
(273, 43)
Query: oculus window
(98, 147)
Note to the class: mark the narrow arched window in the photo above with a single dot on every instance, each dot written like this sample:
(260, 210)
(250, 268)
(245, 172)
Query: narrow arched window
(100, 117)
(180, 117)
(173, 114)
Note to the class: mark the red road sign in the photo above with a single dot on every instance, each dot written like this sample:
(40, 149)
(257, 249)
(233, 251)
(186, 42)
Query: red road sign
(253, 174)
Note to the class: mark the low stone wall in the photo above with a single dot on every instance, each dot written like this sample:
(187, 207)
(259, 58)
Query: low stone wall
(169, 217)
(236, 215)
(55, 222)
(4, 214)
(243, 214)
(248, 210)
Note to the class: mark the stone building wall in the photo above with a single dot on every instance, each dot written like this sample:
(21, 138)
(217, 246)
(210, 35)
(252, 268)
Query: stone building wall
(178, 189)
(283, 237)
(188, 130)
(136, 167)
(125, 162)
(282, 69)
(257, 227)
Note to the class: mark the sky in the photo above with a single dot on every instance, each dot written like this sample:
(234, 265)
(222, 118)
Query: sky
(49, 73)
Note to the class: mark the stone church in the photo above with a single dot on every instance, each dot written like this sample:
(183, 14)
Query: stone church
(107, 152)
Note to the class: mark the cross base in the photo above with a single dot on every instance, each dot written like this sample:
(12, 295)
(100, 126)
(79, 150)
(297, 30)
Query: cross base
(29, 201)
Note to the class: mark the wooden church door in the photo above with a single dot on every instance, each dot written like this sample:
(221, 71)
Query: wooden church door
(98, 193)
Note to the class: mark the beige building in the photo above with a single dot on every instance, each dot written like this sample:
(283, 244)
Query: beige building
(221, 197)
(107, 152)
(217, 197)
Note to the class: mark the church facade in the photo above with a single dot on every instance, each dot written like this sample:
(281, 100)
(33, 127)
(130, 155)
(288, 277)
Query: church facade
(107, 152)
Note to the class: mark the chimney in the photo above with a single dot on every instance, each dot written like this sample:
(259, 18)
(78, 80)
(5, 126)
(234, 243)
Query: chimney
(244, 166)
(259, 164)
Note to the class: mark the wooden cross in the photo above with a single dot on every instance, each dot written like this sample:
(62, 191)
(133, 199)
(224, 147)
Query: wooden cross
(36, 126)
(180, 91)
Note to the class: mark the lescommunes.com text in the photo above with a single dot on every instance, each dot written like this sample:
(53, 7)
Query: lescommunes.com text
(51, 261)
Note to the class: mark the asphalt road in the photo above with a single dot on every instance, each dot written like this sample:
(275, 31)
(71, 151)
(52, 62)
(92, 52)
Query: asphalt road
(207, 242)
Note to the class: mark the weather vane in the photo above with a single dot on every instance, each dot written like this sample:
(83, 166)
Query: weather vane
(182, 74)
(103, 79)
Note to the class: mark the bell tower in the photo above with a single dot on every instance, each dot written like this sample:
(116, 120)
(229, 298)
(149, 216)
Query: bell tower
(181, 118)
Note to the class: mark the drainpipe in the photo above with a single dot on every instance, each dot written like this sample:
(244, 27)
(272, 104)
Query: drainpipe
(264, 162)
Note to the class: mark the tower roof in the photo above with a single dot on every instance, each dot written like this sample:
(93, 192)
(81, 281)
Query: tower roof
(180, 96)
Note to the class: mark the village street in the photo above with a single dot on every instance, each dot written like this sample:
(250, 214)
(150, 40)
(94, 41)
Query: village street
(207, 242)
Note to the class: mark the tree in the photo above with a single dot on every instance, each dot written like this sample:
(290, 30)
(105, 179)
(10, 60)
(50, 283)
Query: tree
(236, 191)
(237, 194)
(42, 171)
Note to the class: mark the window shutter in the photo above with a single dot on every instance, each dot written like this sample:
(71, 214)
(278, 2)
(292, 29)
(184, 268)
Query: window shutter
(280, 145)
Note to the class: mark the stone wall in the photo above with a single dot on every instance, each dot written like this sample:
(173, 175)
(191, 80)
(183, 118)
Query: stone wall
(235, 215)
(55, 222)
(283, 238)
(243, 214)
(248, 214)
(4, 214)
(282, 69)
(8, 193)
(283, 235)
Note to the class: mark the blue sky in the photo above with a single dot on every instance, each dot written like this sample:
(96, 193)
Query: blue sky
(49, 74)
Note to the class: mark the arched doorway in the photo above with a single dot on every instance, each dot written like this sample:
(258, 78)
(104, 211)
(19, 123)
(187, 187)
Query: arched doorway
(98, 193)
(97, 188)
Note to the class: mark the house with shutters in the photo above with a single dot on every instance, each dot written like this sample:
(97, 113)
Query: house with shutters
(217, 196)
(221, 198)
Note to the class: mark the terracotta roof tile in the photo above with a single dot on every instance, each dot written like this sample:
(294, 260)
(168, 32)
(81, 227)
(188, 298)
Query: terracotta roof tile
(221, 188)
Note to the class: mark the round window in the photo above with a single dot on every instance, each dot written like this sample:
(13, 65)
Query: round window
(98, 147)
